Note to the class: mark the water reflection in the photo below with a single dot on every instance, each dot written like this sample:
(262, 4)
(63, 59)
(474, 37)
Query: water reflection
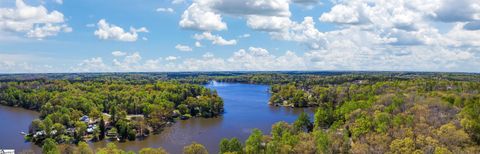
(246, 108)
(291, 111)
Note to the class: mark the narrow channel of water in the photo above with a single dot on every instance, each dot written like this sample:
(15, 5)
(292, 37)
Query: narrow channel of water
(246, 108)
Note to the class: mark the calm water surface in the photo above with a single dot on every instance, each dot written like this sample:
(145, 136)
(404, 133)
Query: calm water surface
(245, 108)
(12, 122)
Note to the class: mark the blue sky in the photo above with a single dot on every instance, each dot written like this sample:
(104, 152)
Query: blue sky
(238, 35)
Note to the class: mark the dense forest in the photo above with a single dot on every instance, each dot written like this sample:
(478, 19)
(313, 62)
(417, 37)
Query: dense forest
(356, 112)
(370, 113)
(399, 116)
(71, 112)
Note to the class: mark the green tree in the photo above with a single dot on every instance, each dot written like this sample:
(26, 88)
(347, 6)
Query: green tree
(59, 130)
(114, 115)
(361, 126)
(381, 121)
(47, 122)
(195, 148)
(94, 113)
(442, 150)
(96, 134)
(152, 151)
(50, 147)
(253, 144)
(303, 123)
(273, 147)
(322, 141)
(280, 128)
(80, 129)
(131, 133)
(111, 148)
(235, 145)
(323, 118)
(471, 120)
(123, 127)
(232, 145)
(83, 148)
(36, 125)
(224, 145)
(183, 109)
(400, 146)
(102, 128)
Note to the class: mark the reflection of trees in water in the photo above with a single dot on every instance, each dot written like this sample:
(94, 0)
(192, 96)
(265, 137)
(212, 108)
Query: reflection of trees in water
(214, 83)
(200, 122)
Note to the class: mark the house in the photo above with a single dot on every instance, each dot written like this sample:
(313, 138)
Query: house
(85, 119)
(90, 130)
(39, 133)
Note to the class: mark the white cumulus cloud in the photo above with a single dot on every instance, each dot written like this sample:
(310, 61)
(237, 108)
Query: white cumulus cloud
(167, 10)
(129, 62)
(184, 48)
(216, 40)
(34, 21)
(107, 31)
(119, 53)
(268, 23)
(198, 44)
(171, 58)
(94, 64)
(199, 17)
(207, 15)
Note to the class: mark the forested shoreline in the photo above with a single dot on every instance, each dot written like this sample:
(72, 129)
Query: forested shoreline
(411, 116)
(434, 113)
(71, 112)
(359, 112)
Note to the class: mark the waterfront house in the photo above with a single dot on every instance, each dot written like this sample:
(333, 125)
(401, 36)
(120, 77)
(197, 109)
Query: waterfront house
(90, 130)
(85, 119)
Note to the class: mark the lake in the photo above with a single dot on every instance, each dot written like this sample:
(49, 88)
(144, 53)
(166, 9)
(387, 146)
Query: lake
(13, 121)
(246, 107)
